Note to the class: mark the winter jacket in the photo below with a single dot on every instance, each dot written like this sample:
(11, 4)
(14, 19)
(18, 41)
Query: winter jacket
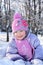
(12, 51)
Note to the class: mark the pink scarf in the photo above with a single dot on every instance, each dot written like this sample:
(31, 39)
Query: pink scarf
(24, 48)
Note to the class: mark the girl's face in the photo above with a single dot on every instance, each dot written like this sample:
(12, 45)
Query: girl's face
(20, 34)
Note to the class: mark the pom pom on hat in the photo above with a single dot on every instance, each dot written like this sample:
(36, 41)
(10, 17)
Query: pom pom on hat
(17, 16)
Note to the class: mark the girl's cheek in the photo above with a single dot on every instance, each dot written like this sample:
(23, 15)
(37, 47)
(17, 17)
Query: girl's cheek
(15, 34)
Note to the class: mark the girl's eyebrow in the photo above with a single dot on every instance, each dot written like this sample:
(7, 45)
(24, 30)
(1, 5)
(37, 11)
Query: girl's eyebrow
(15, 32)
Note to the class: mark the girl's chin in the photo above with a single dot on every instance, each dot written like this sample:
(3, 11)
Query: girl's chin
(19, 38)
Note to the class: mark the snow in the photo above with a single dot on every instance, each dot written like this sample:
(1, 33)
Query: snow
(3, 37)
(4, 44)
(41, 39)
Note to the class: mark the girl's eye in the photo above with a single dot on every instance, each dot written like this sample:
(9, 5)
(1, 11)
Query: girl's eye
(21, 31)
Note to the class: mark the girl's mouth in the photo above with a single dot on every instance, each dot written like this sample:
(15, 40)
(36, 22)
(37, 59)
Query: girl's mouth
(19, 36)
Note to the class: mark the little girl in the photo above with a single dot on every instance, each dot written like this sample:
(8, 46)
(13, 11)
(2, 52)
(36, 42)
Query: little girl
(25, 48)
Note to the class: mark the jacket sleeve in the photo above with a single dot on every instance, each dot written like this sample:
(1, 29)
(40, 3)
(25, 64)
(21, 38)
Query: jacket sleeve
(12, 52)
(38, 49)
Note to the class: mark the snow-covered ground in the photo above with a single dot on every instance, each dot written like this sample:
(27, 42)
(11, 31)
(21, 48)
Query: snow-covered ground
(41, 39)
(4, 44)
(3, 37)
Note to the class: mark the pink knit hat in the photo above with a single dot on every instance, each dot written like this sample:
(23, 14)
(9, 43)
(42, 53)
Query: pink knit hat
(18, 23)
